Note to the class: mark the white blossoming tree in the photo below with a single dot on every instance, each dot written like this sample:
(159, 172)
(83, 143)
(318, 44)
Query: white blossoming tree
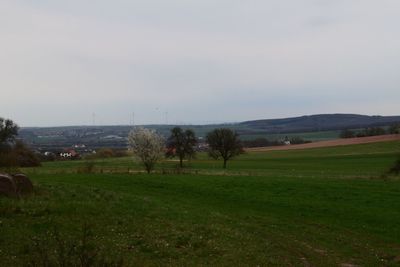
(147, 145)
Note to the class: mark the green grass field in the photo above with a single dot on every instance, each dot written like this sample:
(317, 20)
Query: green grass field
(316, 207)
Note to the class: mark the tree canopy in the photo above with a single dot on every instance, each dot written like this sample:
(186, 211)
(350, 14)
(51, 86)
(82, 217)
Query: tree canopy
(8, 131)
(147, 145)
(181, 143)
(224, 143)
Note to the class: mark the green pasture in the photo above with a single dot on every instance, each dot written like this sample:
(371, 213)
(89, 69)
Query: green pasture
(315, 207)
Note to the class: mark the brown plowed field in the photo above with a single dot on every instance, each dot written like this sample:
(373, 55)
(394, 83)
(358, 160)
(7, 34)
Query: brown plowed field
(336, 142)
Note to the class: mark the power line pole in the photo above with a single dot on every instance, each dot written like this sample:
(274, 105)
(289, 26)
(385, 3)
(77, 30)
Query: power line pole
(133, 119)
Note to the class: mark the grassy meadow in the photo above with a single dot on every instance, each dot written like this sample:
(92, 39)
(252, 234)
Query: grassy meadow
(316, 207)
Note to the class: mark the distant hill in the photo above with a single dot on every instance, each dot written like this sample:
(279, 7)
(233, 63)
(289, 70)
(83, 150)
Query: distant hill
(315, 127)
(322, 122)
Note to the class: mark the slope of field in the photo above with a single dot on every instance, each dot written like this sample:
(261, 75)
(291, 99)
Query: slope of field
(315, 207)
(331, 143)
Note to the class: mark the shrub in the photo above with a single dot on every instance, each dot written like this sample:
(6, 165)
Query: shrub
(25, 157)
(18, 155)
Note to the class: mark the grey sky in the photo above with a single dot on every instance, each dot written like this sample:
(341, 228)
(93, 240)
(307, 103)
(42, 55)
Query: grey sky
(200, 61)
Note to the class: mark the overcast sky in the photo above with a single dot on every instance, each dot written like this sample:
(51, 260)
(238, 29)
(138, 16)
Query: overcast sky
(201, 61)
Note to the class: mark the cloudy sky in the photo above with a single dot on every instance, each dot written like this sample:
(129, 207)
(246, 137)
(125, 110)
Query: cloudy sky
(187, 61)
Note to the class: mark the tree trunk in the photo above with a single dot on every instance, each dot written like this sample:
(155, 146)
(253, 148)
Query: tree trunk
(225, 163)
(181, 162)
(148, 168)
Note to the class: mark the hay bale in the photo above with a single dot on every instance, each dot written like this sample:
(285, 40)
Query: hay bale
(7, 186)
(23, 184)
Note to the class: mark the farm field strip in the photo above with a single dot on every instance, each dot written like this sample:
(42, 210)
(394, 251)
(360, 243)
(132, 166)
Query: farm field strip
(333, 143)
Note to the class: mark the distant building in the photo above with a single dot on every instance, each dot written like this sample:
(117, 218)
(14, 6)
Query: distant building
(286, 142)
(79, 146)
(69, 154)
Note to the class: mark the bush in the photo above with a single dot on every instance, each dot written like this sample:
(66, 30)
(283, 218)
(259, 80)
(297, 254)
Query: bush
(25, 157)
(18, 155)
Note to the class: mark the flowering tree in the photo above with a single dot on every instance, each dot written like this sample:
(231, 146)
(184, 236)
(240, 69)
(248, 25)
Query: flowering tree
(147, 145)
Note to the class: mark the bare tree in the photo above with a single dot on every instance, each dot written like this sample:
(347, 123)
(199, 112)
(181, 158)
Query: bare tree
(181, 143)
(147, 145)
(224, 143)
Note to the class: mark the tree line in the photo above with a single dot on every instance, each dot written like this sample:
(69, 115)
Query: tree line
(149, 147)
(263, 142)
(370, 131)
